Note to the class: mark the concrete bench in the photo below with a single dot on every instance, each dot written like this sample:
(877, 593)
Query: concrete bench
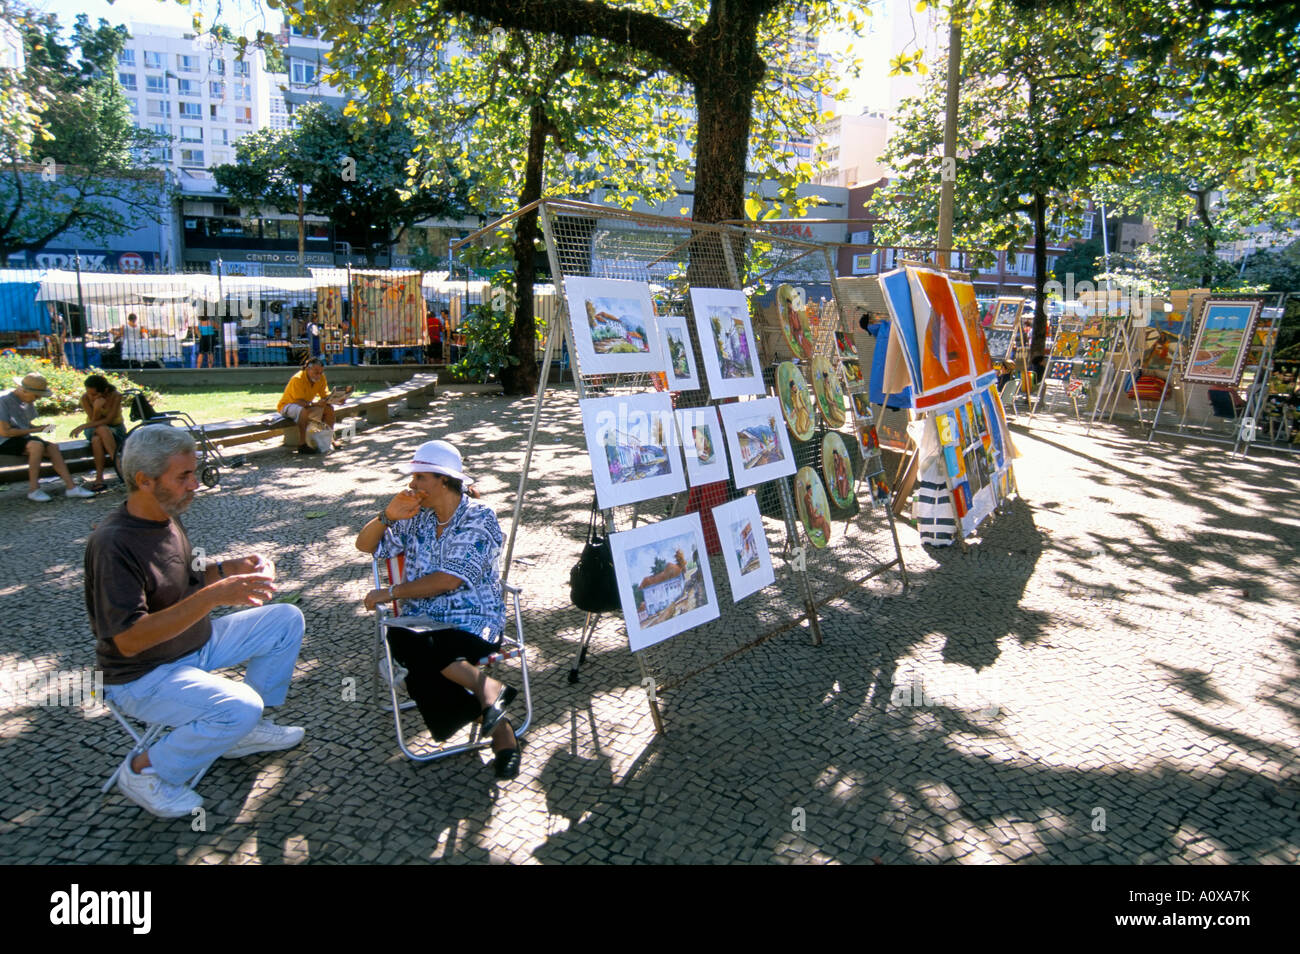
(375, 408)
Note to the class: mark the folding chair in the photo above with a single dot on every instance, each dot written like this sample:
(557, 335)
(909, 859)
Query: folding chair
(386, 616)
(152, 732)
(1009, 392)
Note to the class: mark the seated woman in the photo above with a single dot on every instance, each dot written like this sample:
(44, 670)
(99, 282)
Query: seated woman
(452, 546)
(305, 392)
(104, 425)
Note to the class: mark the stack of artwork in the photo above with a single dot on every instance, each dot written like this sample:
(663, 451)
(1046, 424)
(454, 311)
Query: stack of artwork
(975, 447)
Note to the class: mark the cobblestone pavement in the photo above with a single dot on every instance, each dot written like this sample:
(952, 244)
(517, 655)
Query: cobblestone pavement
(1109, 674)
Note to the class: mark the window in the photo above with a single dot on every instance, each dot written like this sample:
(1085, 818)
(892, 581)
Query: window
(133, 107)
(191, 134)
(1086, 231)
(191, 111)
(221, 136)
(159, 107)
(1051, 263)
(128, 81)
(156, 84)
(153, 61)
(220, 158)
(1024, 264)
(162, 154)
(244, 115)
(217, 66)
(242, 68)
(217, 90)
(244, 92)
(216, 113)
(126, 58)
(187, 63)
(162, 129)
(189, 87)
(303, 73)
(192, 157)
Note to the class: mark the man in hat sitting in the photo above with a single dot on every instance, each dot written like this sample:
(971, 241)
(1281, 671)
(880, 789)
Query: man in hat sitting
(17, 410)
(150, 605)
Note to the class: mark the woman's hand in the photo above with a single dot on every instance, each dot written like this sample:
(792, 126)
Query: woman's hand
(375, 597)
(77, 430)
(404, 506)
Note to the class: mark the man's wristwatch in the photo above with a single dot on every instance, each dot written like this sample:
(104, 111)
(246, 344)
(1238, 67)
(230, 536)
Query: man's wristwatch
(383, 518)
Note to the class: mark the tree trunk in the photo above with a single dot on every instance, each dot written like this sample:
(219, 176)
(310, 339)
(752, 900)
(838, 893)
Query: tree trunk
(1203, 213)
(521, 378)
(1040, 276)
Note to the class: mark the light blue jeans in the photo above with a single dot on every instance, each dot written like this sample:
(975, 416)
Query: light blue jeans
(211, 713)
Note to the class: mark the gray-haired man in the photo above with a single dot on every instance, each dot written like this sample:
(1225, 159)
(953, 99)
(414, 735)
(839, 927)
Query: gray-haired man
(149, 603)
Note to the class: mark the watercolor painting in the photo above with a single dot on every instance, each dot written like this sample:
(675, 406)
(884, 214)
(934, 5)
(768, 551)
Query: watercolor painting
(676, 341)
(702, 440)
(663, 577)
(727, 342)
(632, 445)
(744, 546)
(614, 327)
(758, 444)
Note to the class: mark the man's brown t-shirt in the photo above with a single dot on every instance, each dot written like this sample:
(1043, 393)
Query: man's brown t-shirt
(135, 567)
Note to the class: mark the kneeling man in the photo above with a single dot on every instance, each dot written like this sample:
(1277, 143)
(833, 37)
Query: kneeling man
(150, 603)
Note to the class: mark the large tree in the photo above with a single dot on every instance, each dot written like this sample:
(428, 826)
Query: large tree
(356, 173)
(71, 158)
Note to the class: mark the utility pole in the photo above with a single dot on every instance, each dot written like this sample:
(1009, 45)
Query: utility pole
(948, 171)
(302, 238)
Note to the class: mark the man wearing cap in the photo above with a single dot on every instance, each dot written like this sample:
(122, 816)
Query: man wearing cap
(150, 603)
(451, 576)
(18, 437)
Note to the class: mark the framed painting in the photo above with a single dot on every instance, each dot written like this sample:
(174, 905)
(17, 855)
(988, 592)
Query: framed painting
(613, 326)
(663, 578)
(702, 440)
(675, 338)
(845, 345)
(830, 396)
(758, 444)
(796, 400)
(1222, 339)
(633, 448)
(744, 546)
(727, 342)
(1006, 312)
(999, 342)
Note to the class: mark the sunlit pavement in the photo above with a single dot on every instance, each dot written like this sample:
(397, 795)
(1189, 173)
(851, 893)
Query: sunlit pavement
(1108, 675)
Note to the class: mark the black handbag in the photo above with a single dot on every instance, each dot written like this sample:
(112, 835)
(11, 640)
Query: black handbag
(592, 584)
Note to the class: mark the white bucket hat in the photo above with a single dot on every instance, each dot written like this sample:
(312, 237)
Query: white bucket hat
(437, 457)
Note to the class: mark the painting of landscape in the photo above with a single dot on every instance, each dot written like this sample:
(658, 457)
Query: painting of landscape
(727, 342)
(633, 448)
(614, 327)
(663, 576)
(1219, 349)
(744, 546)
(759, 444)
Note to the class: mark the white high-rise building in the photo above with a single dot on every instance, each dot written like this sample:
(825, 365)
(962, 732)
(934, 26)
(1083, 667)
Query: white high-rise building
(198, 93)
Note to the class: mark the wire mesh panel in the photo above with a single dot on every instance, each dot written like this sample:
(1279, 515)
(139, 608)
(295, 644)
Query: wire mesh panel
(674, 258)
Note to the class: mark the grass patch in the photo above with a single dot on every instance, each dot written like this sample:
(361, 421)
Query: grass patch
(205, 405)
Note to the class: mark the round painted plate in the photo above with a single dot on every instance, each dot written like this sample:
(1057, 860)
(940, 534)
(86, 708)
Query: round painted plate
(838, 469)
(790, 303)
(796, 400)
(830, 396)
(810, 498)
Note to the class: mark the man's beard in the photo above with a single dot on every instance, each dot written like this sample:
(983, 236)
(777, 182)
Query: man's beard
(174, 506)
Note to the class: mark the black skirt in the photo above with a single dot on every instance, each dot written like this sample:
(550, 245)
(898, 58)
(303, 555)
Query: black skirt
(446, 707)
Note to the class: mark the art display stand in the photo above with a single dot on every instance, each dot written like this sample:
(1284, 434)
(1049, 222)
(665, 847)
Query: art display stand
(1060, 386)
(1119, 372)
(1258, 364)
(678, 257)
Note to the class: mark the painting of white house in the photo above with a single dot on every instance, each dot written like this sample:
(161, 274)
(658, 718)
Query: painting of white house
(614, 327)
(727, 342)
(633, 448)
(744, 546)
(704, 444)
(663, 576)
(757, 440)
(676, 341)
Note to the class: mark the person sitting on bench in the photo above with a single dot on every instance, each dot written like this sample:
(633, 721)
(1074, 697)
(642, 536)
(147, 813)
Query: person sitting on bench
(17, 410)
(104, 424)
(305, 392)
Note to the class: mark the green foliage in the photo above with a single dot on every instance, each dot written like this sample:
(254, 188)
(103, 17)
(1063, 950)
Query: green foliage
(66, 383)
(1276, 270)
(356, 173)
(487, 337)
(67, 113)
(1083, 262)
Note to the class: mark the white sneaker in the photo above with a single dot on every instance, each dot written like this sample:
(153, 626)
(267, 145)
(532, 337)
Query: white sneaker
(78, 492)
(40, 496)
(156, 796)
(388, 677)
(266, 736)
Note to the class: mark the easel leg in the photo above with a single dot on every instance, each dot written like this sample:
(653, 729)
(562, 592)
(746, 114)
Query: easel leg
(648, 682)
